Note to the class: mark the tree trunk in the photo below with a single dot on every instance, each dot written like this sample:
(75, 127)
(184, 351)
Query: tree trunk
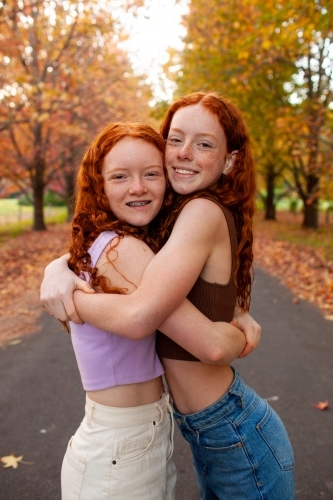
(311, 203)
(38, 187)
(70, 194)
(270, 212)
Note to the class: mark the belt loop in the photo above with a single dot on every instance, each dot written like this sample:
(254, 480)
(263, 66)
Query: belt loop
(169, 410)
(161, 410)
(89, 411)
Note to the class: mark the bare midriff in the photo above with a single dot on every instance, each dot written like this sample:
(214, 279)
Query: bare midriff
(194, 385)
(126, 396)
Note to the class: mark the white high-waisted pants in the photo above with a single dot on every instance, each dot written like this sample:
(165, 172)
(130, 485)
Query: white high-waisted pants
(121, 454)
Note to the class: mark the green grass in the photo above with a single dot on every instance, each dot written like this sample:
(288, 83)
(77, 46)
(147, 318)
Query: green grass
(16, 219)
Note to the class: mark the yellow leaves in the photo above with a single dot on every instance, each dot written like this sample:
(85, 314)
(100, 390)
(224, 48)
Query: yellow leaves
(11, 461)
(14, 342)
(44, 116)
(244, 55)
(266, 44)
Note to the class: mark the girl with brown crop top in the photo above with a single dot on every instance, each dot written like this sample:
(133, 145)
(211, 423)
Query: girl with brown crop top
(216, 412)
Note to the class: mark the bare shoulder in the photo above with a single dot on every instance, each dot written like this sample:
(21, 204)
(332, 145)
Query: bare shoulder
(204, 215)
(129, 244)
(125, 257)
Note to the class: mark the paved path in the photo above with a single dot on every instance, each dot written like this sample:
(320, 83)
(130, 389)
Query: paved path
(41, 399)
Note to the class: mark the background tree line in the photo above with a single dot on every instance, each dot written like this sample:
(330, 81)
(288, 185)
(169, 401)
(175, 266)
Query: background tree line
(63, 77)
(275, 59)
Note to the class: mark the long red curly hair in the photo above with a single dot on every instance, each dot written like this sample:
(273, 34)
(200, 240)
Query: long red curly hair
(92, 210)
(235, 190)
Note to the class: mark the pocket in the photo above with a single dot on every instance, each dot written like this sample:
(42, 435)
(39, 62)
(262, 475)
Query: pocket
(218, 437)
(72, 473)
(273, 432)
(133, 449)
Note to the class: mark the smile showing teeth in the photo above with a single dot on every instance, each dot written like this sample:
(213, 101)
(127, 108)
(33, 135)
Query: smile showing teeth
(183, 171)
(137, 203)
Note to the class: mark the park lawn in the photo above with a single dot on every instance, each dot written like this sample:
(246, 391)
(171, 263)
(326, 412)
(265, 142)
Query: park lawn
(15, 218)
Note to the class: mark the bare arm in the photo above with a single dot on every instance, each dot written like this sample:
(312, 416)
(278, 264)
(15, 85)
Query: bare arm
(58, 299)
(217, 343)
(60, 283)
(167, 279)
(212, 343)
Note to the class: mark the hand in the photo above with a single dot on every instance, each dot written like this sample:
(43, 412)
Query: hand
(58, 286)
(251, 330)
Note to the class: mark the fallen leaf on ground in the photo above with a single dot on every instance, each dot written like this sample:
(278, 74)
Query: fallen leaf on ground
(14, 342)
(11, 461)
(19, 291)
(322, 405)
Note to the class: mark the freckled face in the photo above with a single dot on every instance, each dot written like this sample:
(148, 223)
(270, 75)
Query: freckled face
(196, 149)
(134, 181)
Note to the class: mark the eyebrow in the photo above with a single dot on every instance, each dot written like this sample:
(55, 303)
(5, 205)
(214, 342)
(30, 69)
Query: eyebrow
(206, 134)
(122, 169)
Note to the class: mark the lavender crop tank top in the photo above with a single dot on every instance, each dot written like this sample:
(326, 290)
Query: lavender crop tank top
(105, 359)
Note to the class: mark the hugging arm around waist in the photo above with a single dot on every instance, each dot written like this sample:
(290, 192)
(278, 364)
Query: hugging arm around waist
(167, 279)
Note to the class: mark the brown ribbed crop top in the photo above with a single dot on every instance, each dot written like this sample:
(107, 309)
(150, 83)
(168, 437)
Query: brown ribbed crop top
(215, 301)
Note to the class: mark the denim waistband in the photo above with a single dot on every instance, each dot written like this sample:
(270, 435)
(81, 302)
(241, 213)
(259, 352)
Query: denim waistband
(239, 394)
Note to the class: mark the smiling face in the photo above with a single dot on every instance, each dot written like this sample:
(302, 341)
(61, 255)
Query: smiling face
(134, 181)
(196, 149)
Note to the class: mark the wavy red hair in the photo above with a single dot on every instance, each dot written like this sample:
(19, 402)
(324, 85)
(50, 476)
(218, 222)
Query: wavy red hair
(235, 190)
(92, 211)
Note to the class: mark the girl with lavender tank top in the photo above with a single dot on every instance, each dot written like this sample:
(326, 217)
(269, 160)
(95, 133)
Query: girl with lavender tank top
(123, 447)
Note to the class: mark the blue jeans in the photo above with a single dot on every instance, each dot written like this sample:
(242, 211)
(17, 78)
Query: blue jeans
(240, 447)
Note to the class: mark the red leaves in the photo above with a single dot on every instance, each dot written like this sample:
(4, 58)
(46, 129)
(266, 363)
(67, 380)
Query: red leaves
(301, 268)
(23, 261)
(322, 405)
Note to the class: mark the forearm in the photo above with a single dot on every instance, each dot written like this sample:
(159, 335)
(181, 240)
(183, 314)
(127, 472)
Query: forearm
(119, 314)
(165, 283)
(211, 342)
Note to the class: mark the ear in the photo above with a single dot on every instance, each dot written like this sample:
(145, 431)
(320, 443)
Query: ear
(230, 162)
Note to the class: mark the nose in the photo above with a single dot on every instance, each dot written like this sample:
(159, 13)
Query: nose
(185, 152)
(138, 187)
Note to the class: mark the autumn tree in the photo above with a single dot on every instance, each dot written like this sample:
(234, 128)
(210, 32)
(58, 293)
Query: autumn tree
(63, 77)
(272, 58)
